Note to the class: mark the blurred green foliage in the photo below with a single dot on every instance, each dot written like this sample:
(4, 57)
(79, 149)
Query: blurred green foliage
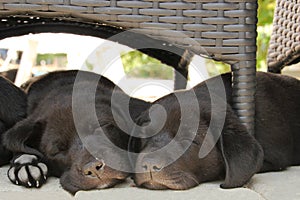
(215, 68)
(50, 58)
(137, 64)
(265, 12)
(263, 39)
(264, 30)
(89, 65)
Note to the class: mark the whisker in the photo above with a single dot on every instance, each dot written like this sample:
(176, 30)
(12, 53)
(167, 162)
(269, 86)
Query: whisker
(191, 177)
(185, 183)
(181, 177)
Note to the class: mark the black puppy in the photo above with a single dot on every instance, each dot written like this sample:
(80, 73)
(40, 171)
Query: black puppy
(13, 104)
(229, 150)
(72, 133)
(10, 74)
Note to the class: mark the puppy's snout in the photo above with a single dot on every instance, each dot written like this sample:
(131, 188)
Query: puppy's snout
(150, 164)
(94, 169)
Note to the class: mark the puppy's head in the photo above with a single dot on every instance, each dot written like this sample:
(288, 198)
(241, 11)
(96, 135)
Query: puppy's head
(96, 163)
(170, 157)
(88, 153)
(92, 160)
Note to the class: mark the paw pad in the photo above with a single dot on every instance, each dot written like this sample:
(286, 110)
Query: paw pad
(28, 171)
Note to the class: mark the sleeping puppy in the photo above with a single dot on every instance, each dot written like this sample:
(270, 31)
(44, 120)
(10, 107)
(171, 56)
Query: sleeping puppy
(13, 104)
(231, 152)
(70, 132)
(10, 74)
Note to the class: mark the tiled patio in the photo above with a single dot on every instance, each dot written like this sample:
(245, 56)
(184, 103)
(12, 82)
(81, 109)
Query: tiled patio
(268, 186)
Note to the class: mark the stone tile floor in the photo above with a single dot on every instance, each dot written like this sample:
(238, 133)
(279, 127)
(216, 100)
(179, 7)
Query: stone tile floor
(283, 185)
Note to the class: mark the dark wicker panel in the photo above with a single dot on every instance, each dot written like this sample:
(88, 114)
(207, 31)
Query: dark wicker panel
(284, 48)
(223, 30)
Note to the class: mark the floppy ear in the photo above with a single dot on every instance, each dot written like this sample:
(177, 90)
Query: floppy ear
(137, 107)
(13, 103)
(126, 110)
(242, 154)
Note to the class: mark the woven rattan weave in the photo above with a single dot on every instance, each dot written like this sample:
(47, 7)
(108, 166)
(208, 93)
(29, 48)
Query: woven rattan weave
(223, 30)
(284, 48)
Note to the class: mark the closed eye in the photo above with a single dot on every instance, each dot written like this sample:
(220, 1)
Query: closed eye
(191, 141)
(105, 124)
(58, 149)
(196, 143)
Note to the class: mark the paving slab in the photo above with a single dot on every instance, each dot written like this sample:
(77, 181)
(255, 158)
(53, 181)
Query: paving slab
(209, 191)
(278, 185)
(268, 186)
(51, 190)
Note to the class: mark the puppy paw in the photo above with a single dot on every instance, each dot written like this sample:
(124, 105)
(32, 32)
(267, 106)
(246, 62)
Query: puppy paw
(28, 171)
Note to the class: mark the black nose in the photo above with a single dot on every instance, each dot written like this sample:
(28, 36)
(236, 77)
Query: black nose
(151, 165)
(94, 169)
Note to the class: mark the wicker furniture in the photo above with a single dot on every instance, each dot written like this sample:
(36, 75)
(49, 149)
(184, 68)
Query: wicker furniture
(224, 30)
(284, 48)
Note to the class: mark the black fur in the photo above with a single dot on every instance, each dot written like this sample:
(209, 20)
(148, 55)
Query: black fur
(13, 105)
(11, 74)
(237, 155)
(50, 132)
